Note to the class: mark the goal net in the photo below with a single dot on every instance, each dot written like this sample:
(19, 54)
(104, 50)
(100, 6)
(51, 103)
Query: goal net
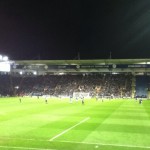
(81, 94)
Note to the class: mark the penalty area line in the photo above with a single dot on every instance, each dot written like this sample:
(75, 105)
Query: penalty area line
(82, 121)
(23, 148)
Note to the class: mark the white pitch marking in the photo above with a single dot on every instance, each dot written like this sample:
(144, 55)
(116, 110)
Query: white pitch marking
(25, 148)
(99, 144)
(11, 138)
(69, 129)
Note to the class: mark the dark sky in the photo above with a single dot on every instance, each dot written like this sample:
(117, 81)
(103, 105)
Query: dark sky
(59, 29)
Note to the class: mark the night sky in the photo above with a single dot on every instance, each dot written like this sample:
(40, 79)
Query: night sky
(60, 29)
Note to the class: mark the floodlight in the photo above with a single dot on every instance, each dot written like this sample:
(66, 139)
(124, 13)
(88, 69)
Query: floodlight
(5, 58)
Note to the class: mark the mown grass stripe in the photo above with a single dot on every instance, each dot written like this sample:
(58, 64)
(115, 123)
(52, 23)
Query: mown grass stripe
(23, 148)
(102, 144)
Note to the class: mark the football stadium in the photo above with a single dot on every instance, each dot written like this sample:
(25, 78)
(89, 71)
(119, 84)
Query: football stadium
(75, 104)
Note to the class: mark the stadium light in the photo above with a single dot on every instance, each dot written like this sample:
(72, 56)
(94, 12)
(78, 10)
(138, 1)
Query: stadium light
(5, 58)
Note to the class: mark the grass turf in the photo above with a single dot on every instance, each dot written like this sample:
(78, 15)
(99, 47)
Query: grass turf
(60, 125)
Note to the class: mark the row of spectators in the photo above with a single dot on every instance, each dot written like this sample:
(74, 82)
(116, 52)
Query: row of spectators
(118, 85)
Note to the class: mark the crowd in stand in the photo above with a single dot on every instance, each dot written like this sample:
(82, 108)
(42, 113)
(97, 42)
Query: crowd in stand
(118, 85)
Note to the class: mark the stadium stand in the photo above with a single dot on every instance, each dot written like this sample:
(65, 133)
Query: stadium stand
(102, 78)
(55, 85)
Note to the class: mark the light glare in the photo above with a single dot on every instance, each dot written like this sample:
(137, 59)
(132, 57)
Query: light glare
(35, 73)
(5, 58)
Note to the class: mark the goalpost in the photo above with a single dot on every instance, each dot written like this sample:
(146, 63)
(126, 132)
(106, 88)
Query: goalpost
(81, 94)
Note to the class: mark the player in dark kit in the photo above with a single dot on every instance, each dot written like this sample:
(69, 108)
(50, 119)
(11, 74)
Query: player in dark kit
(71, 98)
(82, 99)
(140, 101)
(46, 100)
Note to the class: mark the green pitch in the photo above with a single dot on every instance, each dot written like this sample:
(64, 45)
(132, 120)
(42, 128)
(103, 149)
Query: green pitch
(33, 124)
